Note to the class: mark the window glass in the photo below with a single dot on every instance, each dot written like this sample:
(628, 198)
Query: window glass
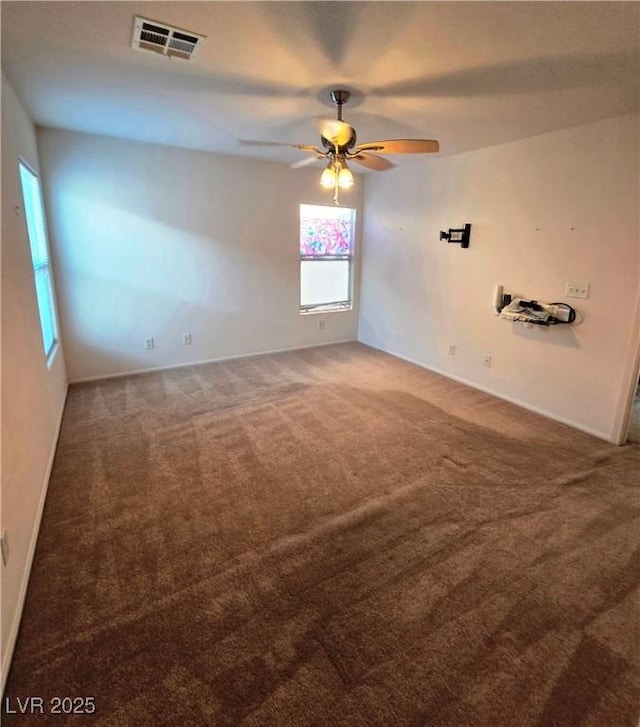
(34, 215)
(324, 281)
(325, 230)
(326, 257)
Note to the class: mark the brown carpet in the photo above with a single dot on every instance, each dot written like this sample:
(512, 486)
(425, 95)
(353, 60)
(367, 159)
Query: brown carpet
(330, 537)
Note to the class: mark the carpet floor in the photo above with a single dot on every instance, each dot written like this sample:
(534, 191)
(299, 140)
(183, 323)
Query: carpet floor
(330, 537)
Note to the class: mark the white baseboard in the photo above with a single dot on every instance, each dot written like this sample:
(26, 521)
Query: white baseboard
(512, 400)
(17, 616)
(184, 364)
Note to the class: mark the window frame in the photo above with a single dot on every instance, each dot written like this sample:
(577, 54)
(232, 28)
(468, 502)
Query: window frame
(329, 306)
(41, 269)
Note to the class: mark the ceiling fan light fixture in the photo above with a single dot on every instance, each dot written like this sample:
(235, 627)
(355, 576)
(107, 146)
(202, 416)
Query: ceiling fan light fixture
(345, 177)
(328, 178)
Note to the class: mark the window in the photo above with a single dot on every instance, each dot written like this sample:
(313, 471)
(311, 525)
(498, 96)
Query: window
(326, 257)
(34, 214)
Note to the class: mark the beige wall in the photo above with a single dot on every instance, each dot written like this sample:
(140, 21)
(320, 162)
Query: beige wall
(153, 241)
(545, 211)
(32, 394)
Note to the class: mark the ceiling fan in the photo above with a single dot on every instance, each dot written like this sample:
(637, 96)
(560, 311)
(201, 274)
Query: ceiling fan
(339, 145)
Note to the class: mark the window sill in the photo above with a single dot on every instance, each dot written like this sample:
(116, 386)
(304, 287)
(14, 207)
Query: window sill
(327, 309)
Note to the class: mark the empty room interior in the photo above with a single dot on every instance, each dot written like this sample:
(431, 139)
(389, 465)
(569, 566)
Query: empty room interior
(320, 359)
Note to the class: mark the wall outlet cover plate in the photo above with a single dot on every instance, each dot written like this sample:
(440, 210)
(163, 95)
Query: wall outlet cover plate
(577, 290)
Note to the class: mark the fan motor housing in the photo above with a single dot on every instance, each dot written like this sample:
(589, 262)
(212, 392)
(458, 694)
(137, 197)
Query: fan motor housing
(345, 147)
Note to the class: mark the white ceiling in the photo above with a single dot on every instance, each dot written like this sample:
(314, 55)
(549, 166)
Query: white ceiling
(470, 74)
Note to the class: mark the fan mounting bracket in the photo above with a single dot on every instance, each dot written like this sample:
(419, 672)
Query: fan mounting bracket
(340, 96)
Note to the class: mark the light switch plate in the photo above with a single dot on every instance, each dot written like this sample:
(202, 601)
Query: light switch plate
(577, 290)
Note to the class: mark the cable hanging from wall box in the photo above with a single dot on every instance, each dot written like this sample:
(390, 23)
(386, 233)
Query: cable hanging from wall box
(533, 312)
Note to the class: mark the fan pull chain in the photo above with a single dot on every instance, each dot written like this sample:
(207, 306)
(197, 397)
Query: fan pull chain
(336, 168)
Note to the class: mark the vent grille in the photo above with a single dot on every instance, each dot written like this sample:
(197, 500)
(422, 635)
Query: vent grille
(164, 39)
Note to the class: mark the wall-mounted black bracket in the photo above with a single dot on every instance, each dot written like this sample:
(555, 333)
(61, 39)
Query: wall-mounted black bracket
(459, 235)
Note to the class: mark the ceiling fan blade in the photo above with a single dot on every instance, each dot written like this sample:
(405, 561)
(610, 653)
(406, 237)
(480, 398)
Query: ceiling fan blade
(255, 142)
(307, 161)
(400, 146)
(337, 132)
(309, 147)
(372, 161)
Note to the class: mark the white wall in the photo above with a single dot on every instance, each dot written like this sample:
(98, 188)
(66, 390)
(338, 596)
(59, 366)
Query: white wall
(552, 209)
(32, 395)
(158, 241)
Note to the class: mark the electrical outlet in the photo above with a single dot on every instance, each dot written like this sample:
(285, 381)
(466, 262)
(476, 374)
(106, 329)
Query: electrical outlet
(149, 343)
(321, 324)
(452, 349)
(577, 290)
(487, 360)
(186, 339)
(4, 543)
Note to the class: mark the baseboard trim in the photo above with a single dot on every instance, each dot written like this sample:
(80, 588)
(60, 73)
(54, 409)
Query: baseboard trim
(200, 362)
(498, 395)
(22, 594)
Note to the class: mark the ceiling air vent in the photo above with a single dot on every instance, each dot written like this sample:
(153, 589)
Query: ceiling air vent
(164, 39)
